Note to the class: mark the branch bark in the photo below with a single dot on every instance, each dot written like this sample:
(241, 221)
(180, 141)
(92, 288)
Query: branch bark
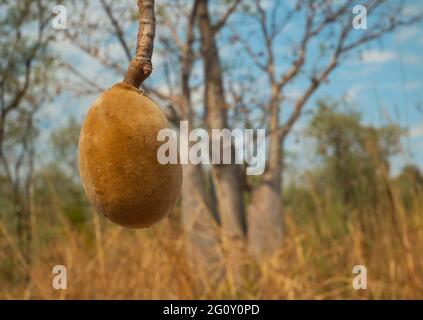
(141, 66)
(222, 21)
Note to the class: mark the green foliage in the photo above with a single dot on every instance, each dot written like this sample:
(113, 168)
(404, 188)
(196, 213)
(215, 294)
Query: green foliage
(352, 176)
(354, 156)
(410, 183)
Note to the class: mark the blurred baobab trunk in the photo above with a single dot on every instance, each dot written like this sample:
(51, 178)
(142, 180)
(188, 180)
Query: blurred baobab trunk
(264, 214)
(197, 220)
(227, 178)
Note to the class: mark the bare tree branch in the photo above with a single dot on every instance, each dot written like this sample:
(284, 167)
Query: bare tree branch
(340, 50)
(118, 30)
(82, 77)
(315, 83)
(222, 21)
(93, 52)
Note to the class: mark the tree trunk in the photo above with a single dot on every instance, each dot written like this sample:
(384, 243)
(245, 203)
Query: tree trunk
(199, 224)
(201, 229)
(265, 209)
(227, 178)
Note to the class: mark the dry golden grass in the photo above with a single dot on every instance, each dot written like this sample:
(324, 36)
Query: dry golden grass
(315, 262)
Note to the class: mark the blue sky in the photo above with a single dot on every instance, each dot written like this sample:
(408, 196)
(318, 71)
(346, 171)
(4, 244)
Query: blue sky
(385, 84)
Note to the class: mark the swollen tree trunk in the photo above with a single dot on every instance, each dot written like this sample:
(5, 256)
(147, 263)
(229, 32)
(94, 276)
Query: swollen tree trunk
(227, 180)
(265, 209)
(201, 230)
(226, 177)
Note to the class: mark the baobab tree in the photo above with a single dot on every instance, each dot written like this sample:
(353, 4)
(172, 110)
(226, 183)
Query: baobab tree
(283, 44)
(319, 37)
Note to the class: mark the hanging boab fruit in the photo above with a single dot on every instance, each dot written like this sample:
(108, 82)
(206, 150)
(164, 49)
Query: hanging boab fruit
(118, 145)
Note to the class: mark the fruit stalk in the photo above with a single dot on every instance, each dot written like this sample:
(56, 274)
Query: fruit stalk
(141, 66)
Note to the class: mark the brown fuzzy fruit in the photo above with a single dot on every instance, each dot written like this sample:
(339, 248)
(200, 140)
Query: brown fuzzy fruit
(118, 159)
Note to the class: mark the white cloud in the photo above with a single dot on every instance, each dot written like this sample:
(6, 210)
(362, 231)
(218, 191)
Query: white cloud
(417, 131)
(409, 86)
(407, 33)
(378, 56)
(412, 86)
(411, 58)
(412, 10)
(354, 92)
(293, 94)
